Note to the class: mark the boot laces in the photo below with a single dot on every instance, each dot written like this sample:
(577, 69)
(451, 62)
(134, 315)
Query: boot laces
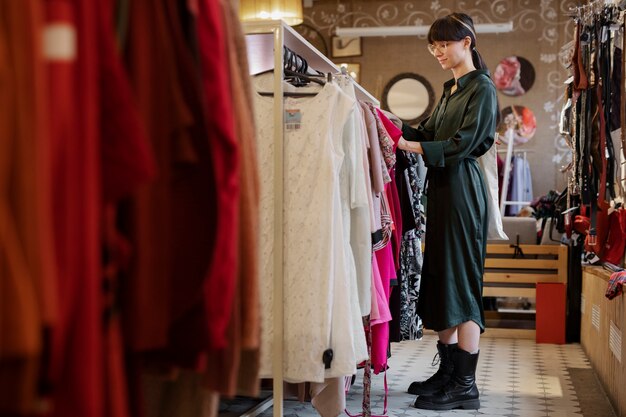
(436, 359)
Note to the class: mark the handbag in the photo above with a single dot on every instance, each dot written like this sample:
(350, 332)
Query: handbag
(489, 167)
(616, 240)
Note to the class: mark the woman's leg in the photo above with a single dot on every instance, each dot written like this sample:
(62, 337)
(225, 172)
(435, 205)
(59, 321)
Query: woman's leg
(449, 336)
(468, 336)
(461, 390)
(446, 346)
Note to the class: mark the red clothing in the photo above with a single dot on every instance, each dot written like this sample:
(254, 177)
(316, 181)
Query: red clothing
(220, 283)
(234, 369)
(73, 108)
(127, 159)
(127, 162)
(193, 210)
(150, 64)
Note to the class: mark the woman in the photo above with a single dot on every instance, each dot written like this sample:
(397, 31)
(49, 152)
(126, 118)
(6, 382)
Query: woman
(460, 129)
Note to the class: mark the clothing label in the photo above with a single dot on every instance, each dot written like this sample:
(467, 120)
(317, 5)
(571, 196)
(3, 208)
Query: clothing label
(59, 42)
(293, 119)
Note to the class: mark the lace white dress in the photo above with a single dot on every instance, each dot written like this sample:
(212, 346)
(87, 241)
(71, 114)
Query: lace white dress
(317, 303)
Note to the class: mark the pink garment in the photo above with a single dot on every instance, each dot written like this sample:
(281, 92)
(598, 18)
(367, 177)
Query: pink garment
(380, 307)
(396, 214)
(392, 130)
(380, 329)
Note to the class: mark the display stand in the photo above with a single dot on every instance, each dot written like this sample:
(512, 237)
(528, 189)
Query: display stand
(265, 41)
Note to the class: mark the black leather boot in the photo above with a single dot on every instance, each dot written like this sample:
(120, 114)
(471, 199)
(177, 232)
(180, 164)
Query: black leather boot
(441, 377)
(461, 391)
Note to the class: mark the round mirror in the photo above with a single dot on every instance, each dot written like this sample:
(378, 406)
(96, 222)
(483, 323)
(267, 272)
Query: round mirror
(409, 96)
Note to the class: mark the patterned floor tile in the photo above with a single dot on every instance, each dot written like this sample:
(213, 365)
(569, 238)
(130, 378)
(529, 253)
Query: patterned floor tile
(530, 413)
(515, 378)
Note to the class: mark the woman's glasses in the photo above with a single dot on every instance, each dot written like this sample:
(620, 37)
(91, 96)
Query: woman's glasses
(433, 48)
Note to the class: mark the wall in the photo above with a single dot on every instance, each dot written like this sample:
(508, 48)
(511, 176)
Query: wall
(541, 33)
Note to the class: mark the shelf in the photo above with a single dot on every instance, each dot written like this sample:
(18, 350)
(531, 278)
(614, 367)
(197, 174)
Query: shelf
(260, 43)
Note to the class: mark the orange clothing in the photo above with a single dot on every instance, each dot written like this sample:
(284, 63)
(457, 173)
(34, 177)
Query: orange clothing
(27, 296)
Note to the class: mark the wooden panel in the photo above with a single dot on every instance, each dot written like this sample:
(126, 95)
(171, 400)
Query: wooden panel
(598, 272)
(527, 249)
(519, 278)
(595, 341)
(502, 269)
(509, 333)
(522, 263)
(563, 263)
(508, 292)
(494, 332)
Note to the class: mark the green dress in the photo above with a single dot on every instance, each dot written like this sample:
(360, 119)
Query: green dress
(460, 129)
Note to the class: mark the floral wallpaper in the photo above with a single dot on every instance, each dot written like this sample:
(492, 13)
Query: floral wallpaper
(542, 34)
(529, 15)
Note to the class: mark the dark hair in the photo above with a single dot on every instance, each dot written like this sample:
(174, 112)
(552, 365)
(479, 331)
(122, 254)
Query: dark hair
(455, 27)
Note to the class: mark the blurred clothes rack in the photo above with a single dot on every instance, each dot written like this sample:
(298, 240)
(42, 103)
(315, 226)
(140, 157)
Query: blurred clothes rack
(519, 182)
(512, 204)
(129, 209)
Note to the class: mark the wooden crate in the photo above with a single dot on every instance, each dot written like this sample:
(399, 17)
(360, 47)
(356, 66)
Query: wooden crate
(603, 319)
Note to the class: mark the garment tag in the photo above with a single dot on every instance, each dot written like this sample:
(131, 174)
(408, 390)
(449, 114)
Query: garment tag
(59, 42)
(293, 119)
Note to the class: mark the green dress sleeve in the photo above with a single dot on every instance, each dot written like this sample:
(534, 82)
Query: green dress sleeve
(474, 136)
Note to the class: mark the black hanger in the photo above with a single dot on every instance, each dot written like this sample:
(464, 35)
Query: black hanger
(307, 77)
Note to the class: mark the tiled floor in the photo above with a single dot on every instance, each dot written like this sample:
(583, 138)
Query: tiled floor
(515, 378)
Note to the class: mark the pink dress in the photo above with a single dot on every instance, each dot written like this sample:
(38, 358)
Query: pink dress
(386, 260)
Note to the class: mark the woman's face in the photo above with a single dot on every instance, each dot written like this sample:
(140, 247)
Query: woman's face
(450, 54)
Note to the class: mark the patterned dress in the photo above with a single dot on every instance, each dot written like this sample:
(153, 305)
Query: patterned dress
(411, 256)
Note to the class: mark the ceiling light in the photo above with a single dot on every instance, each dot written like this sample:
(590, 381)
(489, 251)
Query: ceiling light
(259, 10)
(355, 32)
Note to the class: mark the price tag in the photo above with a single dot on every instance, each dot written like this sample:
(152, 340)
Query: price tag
(293, 119)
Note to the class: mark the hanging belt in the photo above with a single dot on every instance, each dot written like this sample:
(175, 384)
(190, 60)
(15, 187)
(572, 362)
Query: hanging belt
(608, 153)
(622, 91)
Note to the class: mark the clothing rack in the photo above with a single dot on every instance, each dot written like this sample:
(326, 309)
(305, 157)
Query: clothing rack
(510, 135)
(594, 7)
(265, 42)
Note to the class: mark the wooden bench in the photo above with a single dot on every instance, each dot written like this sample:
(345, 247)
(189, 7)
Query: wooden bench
(533, 271)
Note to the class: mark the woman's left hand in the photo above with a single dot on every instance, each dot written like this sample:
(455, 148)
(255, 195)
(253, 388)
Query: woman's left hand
(405, 145)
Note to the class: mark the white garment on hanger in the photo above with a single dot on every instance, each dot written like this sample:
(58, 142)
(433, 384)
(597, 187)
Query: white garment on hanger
(358, 202)
(317, 304)
(521, 184)
(356, 222)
